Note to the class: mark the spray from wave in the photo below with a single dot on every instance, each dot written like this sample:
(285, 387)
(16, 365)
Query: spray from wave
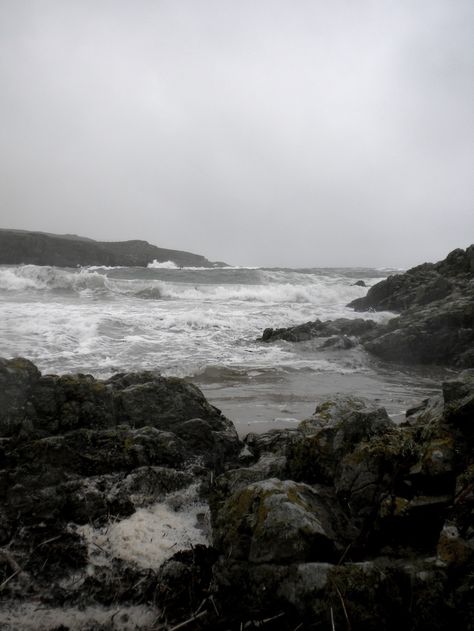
(163, 265)
(164, 282)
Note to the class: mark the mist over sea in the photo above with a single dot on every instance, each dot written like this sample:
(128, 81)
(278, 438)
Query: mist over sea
(201, 324)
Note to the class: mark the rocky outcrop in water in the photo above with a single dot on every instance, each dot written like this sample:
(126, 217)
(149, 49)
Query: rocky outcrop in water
(347, 521)
(341, 332)
(39, 248)
(436, 305)
(422, 285)
(435, 325)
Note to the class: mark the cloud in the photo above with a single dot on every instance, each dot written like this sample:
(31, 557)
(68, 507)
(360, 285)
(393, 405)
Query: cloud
(268, 132)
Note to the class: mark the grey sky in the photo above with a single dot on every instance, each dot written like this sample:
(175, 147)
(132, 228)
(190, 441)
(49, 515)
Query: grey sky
(260, 132)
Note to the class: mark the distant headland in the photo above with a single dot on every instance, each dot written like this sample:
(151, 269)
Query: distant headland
(70, 250)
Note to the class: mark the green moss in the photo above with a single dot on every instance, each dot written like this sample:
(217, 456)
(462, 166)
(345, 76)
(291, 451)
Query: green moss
(324, 409)
(98, 387)
(128, 443)
(19, 363)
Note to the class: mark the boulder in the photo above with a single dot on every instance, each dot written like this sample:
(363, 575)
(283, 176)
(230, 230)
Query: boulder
(339, 423)
(277, 521)
(441, 333)
(340, 328)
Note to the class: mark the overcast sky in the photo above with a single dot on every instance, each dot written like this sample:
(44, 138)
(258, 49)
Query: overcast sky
(259, 132)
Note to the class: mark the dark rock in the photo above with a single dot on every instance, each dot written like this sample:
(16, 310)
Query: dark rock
(339, 342)
(342, 328)
(441, 335)
(337, 426)
(436, 325)
(348, 517)
(420, 285)
(359, 283)
(183, 585)
(436, 302)
(17, 379)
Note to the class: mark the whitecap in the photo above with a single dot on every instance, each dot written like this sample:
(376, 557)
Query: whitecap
(162, 265)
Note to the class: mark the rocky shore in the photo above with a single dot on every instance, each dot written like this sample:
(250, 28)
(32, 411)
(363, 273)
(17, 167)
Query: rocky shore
(131, 503)
(435, 325)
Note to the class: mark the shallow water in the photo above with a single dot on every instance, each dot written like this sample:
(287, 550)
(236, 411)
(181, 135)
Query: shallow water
(202, 324)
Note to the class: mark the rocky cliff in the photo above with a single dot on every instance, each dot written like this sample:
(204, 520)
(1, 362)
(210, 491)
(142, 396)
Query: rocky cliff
(38, 248)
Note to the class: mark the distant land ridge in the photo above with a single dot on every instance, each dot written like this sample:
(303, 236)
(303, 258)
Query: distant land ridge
(66, 250)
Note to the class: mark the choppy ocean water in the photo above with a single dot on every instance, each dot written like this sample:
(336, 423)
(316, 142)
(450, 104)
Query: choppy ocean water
(201, 324)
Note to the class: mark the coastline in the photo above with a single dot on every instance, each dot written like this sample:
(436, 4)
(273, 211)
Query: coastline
(284, 527)
(133, 500)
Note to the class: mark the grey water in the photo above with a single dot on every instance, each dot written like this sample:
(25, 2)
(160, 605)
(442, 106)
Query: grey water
(202, 324)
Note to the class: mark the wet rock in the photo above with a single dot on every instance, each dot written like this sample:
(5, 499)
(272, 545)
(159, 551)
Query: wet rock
(458, 397)
(183, 586)
(342, 327)
(276, 521)
(42, 406)
(275, 441)
(76, 452)
(453, 549)
(162, 403)
(440, 334)
(18, 377)
(147, 485)
(436, 302)
(247, 591)
(436, 322)
(339, 342)
(337, 426)
(420, 285)
(348, 517)
(359, 283)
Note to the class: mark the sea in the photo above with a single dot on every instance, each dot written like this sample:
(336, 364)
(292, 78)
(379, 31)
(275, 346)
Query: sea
(202, 324)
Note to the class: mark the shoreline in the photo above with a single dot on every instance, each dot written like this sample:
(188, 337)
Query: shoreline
(346, 498)
(134, 500)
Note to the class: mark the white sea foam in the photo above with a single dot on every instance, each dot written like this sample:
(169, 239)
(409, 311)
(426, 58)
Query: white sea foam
(33, 616)
(98, 321)
(151, 535)
(163, 265)
(190, 323)
(277, 286)
(268, 293)
(34, 277)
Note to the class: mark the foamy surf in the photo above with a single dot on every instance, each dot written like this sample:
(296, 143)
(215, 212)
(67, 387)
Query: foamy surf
(182, 321)
(162, 265)
(32, 616)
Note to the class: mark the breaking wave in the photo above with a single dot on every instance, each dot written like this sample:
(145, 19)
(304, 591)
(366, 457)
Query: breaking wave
(41, 278)
(259, 286)
(164, 265)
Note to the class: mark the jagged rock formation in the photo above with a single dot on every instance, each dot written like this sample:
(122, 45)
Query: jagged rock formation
(422, 285)
(435, 325)
(352, 518)
(39, 248)
(80, 455)
(347, 520)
